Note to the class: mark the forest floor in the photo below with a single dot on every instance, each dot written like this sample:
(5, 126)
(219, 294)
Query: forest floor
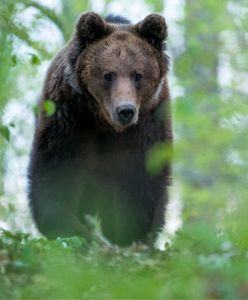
(72, 269)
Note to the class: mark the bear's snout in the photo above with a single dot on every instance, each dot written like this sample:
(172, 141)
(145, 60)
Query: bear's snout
(126, 113)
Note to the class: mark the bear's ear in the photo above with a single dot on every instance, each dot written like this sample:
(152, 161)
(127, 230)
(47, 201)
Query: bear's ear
(90, 27)
(154, 29)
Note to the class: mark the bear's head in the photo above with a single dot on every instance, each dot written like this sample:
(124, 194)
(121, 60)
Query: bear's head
(122, 66)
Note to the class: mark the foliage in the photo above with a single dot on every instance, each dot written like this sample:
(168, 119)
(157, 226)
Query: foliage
(9, 9)
(71, 10)
(210, 153)
(71, 269)
(13, 35)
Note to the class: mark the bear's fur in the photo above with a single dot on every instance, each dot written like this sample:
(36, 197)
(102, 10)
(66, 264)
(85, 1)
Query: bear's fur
(112, 106)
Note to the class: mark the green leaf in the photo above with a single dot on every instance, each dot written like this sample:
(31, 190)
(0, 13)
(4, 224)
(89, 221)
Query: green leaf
(14, 61)
(157, 158)
(4, 131)
(35, 60)
(49, 108)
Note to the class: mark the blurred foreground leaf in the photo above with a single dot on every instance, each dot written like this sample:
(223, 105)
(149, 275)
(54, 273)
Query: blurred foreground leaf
(49, 108)
(199, 265)
(35, 59)
(5, 133)
(158, 156)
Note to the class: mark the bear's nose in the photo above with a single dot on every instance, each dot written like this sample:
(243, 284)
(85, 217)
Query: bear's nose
(126, 113)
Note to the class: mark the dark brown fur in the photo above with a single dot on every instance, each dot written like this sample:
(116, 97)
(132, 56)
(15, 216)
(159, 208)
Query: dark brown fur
(83, 160)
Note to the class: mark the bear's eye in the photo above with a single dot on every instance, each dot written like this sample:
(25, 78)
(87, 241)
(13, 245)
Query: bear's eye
(109, 77)
(137, 77)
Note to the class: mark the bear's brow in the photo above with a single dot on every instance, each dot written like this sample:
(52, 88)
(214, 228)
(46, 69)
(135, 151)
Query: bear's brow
(121, 35)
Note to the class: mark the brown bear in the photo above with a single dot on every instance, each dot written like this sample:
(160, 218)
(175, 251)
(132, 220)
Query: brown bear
(111, 94)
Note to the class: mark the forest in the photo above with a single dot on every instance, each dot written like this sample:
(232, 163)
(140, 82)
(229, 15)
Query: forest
(203, 251)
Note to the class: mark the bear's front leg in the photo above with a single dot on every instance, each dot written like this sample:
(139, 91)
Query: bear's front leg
(158, 198)
(54, 193)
